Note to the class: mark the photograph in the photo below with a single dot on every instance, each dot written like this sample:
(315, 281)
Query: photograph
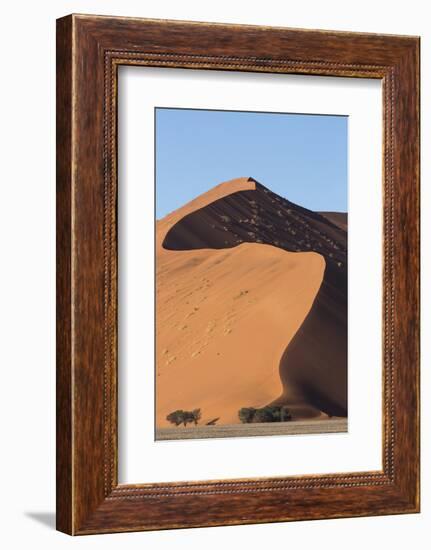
(251, 282)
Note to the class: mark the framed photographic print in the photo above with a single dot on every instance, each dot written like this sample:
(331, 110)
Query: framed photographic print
(237, 274)
(235, 349)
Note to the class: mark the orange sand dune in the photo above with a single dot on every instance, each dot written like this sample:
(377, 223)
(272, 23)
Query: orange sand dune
(240, 273)
(213, 322)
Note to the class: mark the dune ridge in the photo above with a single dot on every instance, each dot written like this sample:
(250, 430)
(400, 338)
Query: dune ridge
(251, 306)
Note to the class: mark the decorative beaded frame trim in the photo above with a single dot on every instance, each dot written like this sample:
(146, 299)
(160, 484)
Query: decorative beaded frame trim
(249, 64)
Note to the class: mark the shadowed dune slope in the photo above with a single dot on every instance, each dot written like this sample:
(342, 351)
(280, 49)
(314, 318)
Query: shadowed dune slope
(251, 306)
(337, 218)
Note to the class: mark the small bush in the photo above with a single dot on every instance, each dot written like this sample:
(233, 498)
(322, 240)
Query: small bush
(275, 413)
(246, 414)
(179, 417)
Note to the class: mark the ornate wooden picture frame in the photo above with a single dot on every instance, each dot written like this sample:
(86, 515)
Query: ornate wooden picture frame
(89, 51)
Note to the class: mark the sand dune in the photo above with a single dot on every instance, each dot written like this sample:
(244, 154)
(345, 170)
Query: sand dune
(251, 306)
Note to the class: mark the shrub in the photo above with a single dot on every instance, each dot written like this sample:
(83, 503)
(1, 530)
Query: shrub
(176, 417)
(263, 415)
(274, 413)
(179, 417)
(246, 414)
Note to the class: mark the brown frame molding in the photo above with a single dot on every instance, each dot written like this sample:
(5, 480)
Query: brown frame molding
(89, 51)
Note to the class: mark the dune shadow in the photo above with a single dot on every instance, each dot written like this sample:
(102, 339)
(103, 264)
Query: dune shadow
(313, 367)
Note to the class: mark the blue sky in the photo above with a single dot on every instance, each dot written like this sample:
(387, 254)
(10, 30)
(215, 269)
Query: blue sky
(300, 157)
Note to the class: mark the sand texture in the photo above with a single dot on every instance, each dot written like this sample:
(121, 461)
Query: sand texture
(251, 306)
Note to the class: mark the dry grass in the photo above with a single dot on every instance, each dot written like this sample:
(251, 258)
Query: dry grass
(295, 427)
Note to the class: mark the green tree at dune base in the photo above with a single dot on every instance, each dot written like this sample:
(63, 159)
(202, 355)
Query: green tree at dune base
(250, 415)
(179, 417)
